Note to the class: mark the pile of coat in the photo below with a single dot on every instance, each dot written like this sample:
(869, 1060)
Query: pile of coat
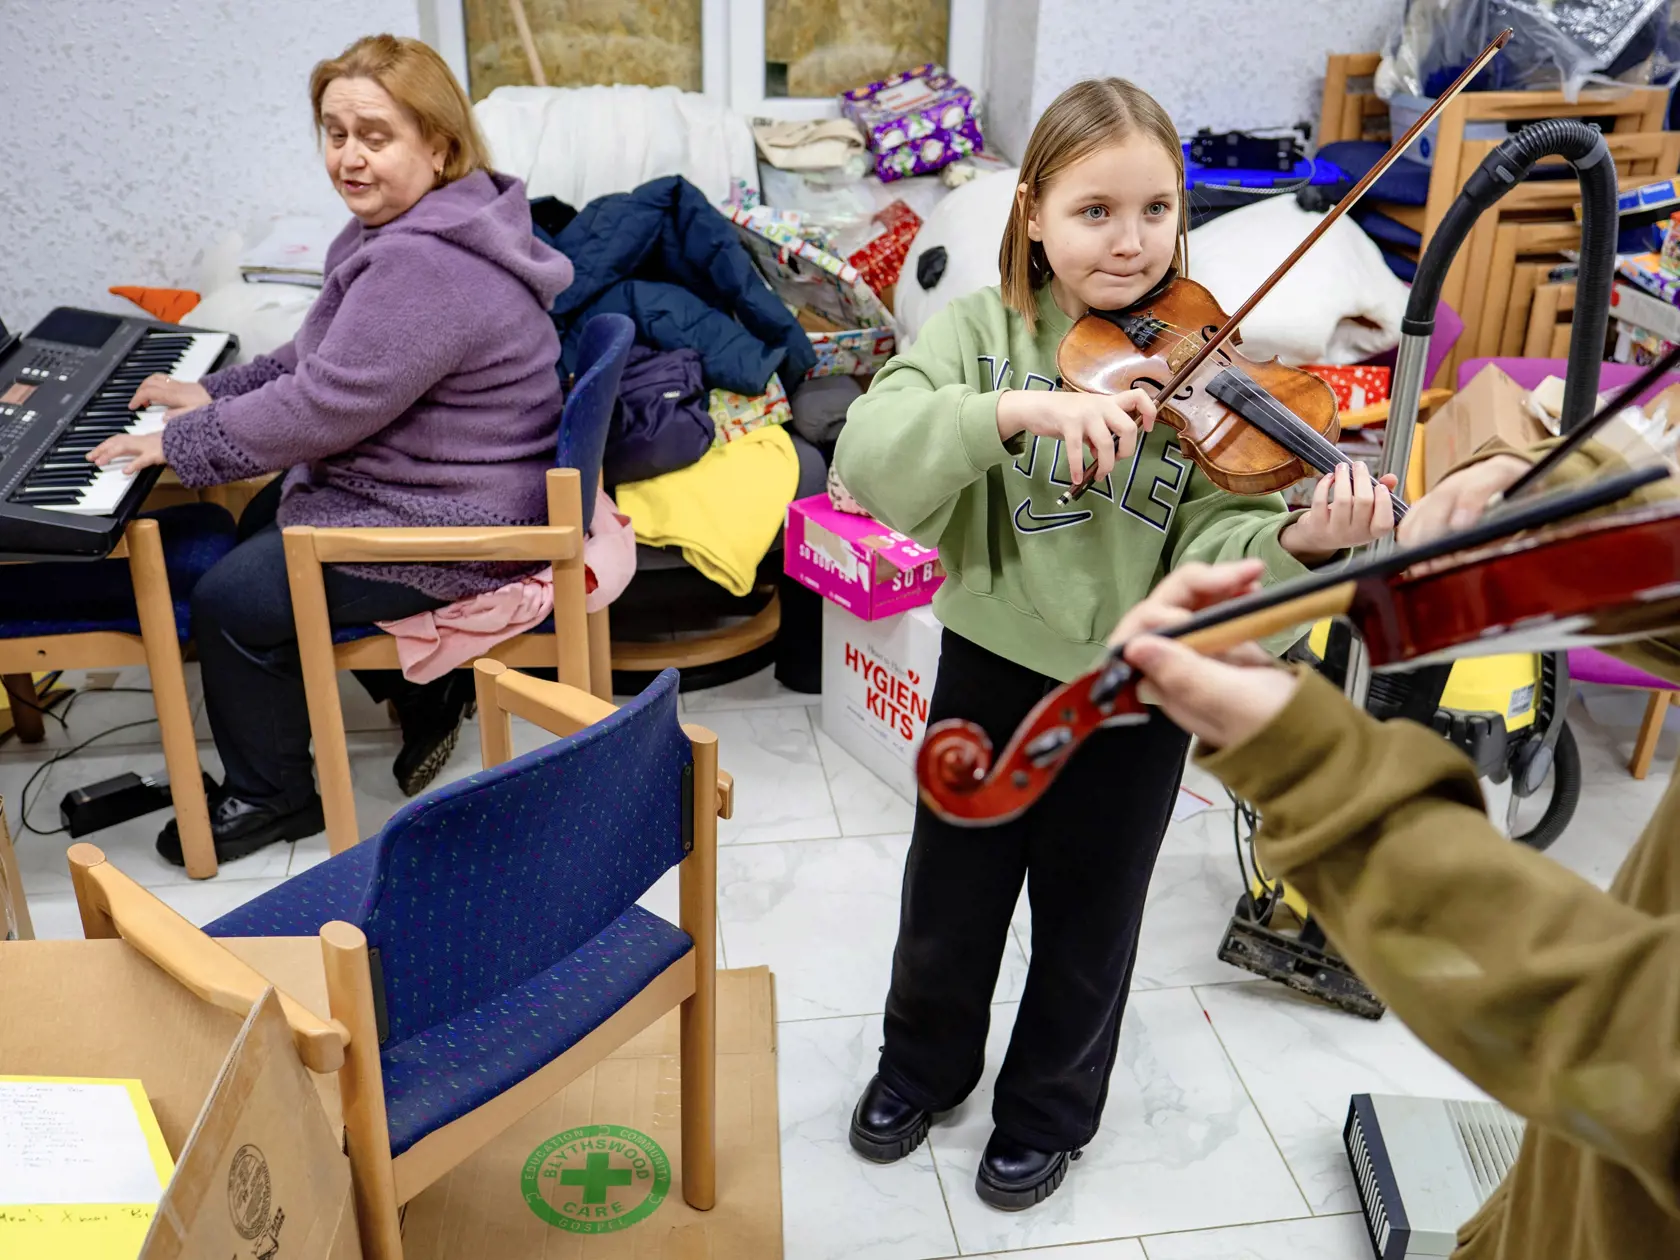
(705, 319)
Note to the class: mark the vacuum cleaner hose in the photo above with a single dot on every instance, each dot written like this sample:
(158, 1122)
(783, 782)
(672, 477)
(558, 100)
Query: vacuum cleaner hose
(1584, 148)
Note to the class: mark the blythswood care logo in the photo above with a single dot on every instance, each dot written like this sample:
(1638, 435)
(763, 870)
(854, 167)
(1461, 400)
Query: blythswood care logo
(596, 1179)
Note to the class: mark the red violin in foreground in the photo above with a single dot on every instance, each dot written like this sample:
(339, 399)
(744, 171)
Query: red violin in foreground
(1479, 592)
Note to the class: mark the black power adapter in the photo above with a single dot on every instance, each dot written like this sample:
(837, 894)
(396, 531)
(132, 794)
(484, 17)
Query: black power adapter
(111, 801)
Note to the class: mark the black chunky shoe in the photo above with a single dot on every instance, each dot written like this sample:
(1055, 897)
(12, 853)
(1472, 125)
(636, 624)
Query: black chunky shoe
(240, 828)
(1014, 1176)
(885, 1127)
(431, 718)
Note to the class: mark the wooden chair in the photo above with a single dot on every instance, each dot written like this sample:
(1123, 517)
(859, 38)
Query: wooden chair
(1503, 261)
(574, 641)
(443, 1039)
(94, 616)
(563, 642)
(15, 924)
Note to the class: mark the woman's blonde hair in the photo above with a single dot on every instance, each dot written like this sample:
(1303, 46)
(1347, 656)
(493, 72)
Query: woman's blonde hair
(419, 81)
(1088, 116)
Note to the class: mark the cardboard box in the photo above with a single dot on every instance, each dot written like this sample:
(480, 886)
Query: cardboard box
(856, 562)
(1491, 406)
(222, 1089)
(621, 1124)
(877, 681)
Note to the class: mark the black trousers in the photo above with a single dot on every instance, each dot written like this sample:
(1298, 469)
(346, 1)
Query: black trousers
(1086, 850)
(248, 657)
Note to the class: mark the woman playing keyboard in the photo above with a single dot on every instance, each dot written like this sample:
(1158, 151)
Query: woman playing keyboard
(420, 390)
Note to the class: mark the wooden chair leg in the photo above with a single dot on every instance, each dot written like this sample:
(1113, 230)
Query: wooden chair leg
(159, 636)
(320, 688)
(495, 723)
(27, 719)
(367, 1135)
(600, 655)
(697, 881)
(1650, 730)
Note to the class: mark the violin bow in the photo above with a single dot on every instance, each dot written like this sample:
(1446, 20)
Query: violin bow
(1388, 159)
(1623, 399)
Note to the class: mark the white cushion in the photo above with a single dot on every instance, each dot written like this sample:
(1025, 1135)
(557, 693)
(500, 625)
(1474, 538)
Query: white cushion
(578, 144)
(1339, 304)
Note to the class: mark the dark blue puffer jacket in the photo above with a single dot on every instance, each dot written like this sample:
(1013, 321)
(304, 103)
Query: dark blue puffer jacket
(664, 256)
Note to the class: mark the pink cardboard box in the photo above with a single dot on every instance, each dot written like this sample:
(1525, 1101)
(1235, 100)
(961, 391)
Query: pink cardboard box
(857, 562)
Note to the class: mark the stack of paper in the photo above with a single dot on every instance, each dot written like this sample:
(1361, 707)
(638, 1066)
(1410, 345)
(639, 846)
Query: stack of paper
(82, 1167)
(293, 252)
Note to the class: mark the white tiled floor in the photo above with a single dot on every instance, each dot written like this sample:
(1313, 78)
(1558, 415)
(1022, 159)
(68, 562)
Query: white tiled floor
(1222, 1135)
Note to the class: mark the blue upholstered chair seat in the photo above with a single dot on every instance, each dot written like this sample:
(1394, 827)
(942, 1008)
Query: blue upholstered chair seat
(63, 597)
(450, 1069)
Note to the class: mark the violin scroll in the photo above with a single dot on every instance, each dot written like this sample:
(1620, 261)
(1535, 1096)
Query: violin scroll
(961, 782)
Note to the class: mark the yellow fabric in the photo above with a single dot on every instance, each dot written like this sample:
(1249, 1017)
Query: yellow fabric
(723, 511)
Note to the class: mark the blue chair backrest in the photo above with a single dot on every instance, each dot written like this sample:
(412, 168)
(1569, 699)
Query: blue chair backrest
(588, 411)
(496, 878)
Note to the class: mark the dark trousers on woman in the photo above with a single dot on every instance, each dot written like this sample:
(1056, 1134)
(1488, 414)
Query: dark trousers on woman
(248, 657)
(1086, 850)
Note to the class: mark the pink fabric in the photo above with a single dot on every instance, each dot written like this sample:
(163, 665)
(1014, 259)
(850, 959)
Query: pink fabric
(1592, 666)
(609, 553)
(430, 644)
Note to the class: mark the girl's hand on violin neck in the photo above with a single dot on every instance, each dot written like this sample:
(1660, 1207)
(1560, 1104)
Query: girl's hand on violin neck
(1349, 509)
(1109, 424)
(1223, 699)
(1459, 501)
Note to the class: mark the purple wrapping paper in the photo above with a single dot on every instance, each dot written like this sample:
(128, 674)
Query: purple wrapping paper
(916, 121)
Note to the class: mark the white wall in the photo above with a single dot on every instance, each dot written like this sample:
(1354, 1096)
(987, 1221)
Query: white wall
(1211, 63)
(142, 132)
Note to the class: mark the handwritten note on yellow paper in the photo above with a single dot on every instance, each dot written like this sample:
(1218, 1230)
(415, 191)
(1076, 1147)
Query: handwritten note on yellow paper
(82, 1167)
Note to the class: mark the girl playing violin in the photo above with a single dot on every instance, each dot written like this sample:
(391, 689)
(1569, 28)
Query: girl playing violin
(1560, 1000)
(965, 443)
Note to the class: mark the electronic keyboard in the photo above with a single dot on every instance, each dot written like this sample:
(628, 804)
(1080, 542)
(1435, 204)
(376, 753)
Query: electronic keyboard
(64, 388)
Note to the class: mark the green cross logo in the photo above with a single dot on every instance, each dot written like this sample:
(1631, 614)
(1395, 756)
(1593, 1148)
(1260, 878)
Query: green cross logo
(596, 1179)
(595, 1176)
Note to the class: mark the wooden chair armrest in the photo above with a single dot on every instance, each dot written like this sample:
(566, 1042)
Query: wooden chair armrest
(450, 542)
(198, 962)
(1377, 413)
(726, 794)
(557, 708)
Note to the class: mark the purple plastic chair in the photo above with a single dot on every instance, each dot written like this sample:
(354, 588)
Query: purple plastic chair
(1588, 664)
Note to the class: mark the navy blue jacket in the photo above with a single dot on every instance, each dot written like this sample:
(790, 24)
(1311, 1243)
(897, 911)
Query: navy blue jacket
(664, 256)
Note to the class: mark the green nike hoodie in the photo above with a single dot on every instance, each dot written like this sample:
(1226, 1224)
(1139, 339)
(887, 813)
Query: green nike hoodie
(1038, 584)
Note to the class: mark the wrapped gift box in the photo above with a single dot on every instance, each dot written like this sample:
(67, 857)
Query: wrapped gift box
(882, 257)
(1355, 385)
(917, 121)
(735, 415)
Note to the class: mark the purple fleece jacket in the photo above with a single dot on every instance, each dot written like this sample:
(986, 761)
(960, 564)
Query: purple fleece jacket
(420, 390)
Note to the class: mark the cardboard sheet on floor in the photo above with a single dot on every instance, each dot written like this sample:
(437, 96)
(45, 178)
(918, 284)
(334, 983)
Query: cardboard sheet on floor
(596, 1172)
(100, 1009)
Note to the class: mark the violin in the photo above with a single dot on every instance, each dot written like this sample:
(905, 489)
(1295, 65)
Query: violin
(1492, 588)
(1251, 427)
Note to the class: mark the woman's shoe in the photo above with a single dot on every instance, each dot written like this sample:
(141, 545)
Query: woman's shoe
(884, 1126)
(431, 718)
(240, 828)
(1014, 1176)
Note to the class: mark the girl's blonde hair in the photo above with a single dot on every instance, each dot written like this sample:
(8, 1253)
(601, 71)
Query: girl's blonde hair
(419, 81)
(1088, 116)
